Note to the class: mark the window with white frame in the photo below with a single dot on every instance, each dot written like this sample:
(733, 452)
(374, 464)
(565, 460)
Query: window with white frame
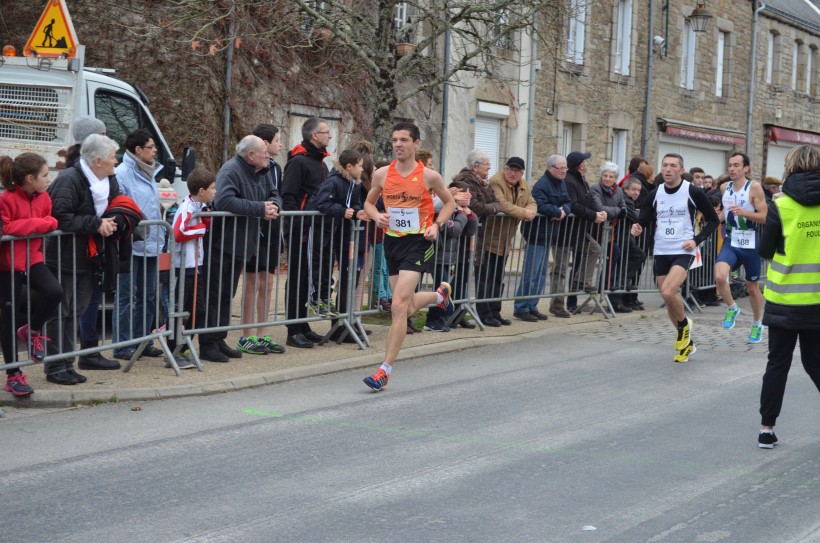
(773, 58)
(618, 151)
(722, 64)
(576, 31)
(571, 138)
(623, 37)
(318, 5)
(687, 57)
(797, 52)
(500, 29)
(400, 19)
(310, 23)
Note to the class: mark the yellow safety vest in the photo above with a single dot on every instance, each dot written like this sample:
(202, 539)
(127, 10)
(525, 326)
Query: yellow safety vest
(794, 277)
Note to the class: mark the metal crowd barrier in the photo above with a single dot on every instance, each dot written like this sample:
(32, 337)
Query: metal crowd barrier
(121, 301)
(335, 271)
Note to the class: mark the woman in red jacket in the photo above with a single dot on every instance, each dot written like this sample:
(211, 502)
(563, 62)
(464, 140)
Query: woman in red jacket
(25, 209)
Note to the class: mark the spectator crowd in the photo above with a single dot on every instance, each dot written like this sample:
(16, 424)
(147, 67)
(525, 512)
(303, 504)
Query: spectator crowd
(508, 239)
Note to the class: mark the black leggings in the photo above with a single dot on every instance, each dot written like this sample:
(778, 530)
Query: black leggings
(781, 349)
(38, 279)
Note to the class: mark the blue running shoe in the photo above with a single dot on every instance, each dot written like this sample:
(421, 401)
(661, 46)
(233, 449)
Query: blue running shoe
(731, 315)
(377, 381)
(756, 334)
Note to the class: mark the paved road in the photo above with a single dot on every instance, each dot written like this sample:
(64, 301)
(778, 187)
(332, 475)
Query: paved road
(530, 441)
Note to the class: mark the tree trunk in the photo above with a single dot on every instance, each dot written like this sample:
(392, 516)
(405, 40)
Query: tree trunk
(386, 102)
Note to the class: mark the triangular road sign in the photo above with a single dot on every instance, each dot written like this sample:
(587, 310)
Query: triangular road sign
(54, 34)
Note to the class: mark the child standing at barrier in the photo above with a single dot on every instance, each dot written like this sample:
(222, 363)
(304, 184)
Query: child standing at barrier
(25, 209)
(339, 197)
(188, 234)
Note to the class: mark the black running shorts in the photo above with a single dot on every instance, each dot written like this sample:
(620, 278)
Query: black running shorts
(411, 252)
(664, 263)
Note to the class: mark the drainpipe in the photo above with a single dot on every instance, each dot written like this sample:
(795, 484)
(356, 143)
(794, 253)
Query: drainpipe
(760, 7)
(531, 111)
(445, 110)
(649, 74)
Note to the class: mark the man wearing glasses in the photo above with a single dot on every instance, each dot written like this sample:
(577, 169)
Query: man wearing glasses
(304, 171)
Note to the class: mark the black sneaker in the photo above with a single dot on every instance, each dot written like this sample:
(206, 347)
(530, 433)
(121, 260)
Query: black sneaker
(212, 354)
(766, 440)
(227, 350)
(528, 317)
(125, 354)
(152, 352)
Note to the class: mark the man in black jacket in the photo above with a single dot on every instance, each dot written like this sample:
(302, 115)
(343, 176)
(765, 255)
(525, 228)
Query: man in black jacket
(305, 170)
(244, 187)
(587, 251)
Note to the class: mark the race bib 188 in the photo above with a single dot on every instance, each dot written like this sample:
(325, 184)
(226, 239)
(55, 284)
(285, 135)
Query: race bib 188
(743, 239)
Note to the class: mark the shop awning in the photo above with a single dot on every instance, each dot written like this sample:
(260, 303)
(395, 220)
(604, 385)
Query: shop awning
(709, 134)
(777, 134)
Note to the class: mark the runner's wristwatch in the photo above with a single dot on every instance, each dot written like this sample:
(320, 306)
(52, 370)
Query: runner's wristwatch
(441, 224)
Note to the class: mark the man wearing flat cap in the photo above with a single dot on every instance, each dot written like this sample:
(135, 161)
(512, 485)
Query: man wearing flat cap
(517, 204)
(586, 249)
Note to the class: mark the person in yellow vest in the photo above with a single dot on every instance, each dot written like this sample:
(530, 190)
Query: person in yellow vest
(410, 229)
(791, 241)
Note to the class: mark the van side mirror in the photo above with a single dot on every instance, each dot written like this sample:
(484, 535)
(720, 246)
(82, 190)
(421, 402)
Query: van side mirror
(169, 169)
(188, 161)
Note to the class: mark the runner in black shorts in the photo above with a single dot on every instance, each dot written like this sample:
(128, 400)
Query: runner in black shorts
(672, 214)
(410, 230)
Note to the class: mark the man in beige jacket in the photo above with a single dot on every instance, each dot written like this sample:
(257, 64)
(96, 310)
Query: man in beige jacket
(517, 204)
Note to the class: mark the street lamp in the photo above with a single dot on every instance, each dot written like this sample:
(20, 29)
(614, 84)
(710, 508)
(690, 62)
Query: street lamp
(699, 19)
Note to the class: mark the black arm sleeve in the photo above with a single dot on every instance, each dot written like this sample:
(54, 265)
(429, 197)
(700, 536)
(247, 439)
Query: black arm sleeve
(648, 213)
(702, 204)
(771, 239)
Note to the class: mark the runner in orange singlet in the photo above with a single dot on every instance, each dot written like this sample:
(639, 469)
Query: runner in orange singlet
(410, 230)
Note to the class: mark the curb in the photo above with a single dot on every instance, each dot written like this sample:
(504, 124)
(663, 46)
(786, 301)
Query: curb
(65, 398)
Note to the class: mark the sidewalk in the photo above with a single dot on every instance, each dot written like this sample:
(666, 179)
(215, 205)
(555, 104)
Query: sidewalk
(150, 380)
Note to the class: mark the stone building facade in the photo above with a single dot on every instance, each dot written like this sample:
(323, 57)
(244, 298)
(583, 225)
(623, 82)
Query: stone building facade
(635, 78)
(787, 94)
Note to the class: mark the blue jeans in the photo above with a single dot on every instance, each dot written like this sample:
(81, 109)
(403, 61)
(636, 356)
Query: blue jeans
(136, 300)
(88, 320)
(533, 277)
(381, 279)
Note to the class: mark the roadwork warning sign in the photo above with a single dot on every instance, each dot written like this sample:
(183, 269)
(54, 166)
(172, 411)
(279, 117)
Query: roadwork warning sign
(54, 34)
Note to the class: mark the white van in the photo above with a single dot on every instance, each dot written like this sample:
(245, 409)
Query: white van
(40, 98)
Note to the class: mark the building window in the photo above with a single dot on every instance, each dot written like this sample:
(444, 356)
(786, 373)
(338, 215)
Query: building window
(797, 52)
(722, 65)
(687, 57)
(623, 37)
(487, 137)
(773, 59)
(811, 68)
(500, 29)
(618, 151)
(576, 31)
(571, 138)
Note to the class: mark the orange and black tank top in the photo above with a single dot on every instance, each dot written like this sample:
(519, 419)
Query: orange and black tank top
(407, 201)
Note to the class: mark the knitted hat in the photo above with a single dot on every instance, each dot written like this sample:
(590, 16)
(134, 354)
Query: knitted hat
(84, 126)
(167, 194)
